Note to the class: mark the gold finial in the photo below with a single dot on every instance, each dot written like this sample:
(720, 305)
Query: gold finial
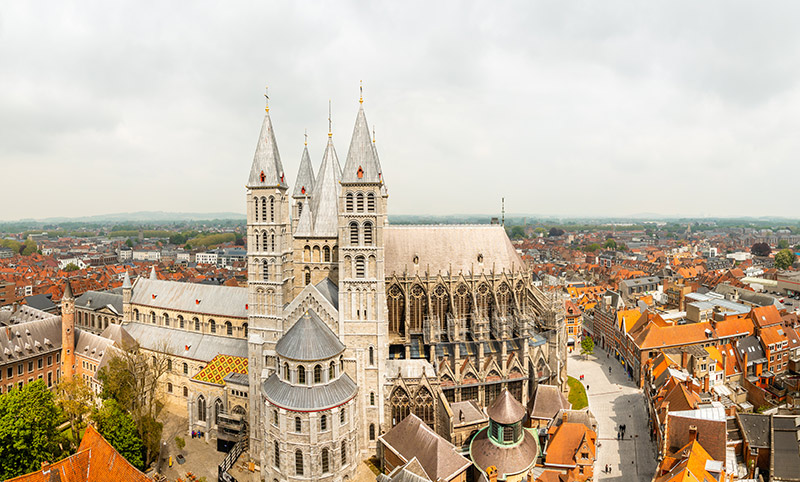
(373, 133)
(330, 127)
(305, 134)
(360, 91)
(266, 95)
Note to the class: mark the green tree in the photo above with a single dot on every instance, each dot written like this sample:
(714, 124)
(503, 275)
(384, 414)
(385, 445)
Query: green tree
(180, 443)
(177, 238)
(784, 259)
(610, 244)
(75, 400)
(118, 427)
(554, 232)
(783, 244)
(71, 267)
(590, 248)
(517, 232)
(28, 429)
(29, 247)
(587, 346)
(129, 243)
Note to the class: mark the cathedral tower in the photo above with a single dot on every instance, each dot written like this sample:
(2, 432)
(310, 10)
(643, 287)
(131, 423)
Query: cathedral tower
(269, 262)
(67, 333)
(362, 292)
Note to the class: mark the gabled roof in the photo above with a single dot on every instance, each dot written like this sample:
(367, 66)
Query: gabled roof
(94, 300)
(95, 461)
(547, 401)
(361, 155)
(304, 184)
(266, 160)
(413, 438)
(220, 367)
(565, 442)
(690, 463)
(309, 339)
(765, 316)
(221, 301)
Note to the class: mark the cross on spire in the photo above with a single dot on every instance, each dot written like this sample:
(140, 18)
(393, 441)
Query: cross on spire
(360, 91)
(266, 96)
(330, 127)
(305, 134)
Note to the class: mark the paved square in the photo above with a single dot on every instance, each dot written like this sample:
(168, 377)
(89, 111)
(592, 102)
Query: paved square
(615, 401)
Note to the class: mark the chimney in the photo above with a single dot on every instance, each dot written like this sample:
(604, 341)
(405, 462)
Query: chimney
(705, 383)
(529, 477)
(684, 359)
(491, 471)
(724, 365)
(45, 466)
(692, 433)
(564, 416)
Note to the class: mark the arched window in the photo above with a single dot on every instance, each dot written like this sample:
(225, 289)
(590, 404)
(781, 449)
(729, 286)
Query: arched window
(217, 410)
(277, 459)
(196, 324)
(169, 387)
(244, 329)
(180, 321)
(166, 319)
(272, 241)
(307, 253)
(136, 312)
(326, 254)
(255, 202)
(323, 423)
(201, 408)
(325, 463)
(307, 276)
(315, 254)
(349, 202)
(298, 463)
(298, 425)
(275, 417)
(371, 356)
(299, 208)
(212, 326)
(271, 209)
(286, 375)
(265, 270)
(185, 369)
(317, 374)
(372, 431)
(257, 244)
(368, 233)
(331, 371)
(371, 202)
(185, 392)
(344, 453)
(423, 406)
(228, 328)
(301, 374)
(169, 364)
(354, 233)
(418, 308)
(508, 433)
(360, 267)
(153, 317)
(360, 202)
(400, 405)
(342, 416)
(264, 242)
(371, 399)
(396, 302)
(263, 209)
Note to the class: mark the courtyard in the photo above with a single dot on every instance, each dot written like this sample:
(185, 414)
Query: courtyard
(615, 400)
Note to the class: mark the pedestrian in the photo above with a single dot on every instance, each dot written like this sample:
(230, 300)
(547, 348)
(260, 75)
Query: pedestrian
(609, 370)
(587, 388)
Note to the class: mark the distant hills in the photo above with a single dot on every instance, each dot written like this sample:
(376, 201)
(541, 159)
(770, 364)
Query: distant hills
(141, 216)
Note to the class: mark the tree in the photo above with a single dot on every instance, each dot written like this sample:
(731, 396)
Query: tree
(760, 249)
(177, 238)
(610, 244)
(784, 259)
(28, 429)
(119, 429)
(71, 267)
(517, 232)
(131, 378)
(75, 400)
(555, 232)
(129, 243)
(783, 244)
(180, 443)
(587, 346)
(29, 247)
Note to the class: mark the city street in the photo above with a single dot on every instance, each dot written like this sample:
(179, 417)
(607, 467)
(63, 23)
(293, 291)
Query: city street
(614, 400)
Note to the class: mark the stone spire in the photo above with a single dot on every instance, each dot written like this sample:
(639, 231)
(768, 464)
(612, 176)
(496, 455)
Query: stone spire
(267, 170)
(68, 292)
(153, 275)
(305, 176)
(325, 202)
(362, 163)
(126, 282)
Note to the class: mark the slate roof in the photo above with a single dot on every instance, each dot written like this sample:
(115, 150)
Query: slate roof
(222, 301)
(329, 290)
(785, 448)
(118, 335)
(203, 347)
(547, 401)
(325, 200)
(509, 459)
(449, 249)
(266, 159)
(309, 339)
(309, 398)
(414, 438)
(23, 314)
(755, 428)
(25, 340)
(752, 347)
(305, 176)
(220, 367)
(95, 300)
(506, 409)
(91, 345)
(361, 154)
(411, 471)
(41, 302)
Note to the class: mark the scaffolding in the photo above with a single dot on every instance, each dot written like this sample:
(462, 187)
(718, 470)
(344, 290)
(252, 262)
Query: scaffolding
(456, 328)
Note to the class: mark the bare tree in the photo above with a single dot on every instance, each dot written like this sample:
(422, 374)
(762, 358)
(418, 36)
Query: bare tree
(75, 399)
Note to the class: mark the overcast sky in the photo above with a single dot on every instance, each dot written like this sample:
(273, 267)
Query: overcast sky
(565, 108)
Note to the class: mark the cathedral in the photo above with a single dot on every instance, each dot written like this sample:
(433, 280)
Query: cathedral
(348, 324)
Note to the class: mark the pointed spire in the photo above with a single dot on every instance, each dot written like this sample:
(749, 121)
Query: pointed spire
(325, 202)
(305, 176)
(362, 163)
(330, 123)
(126, 282)
(68, 292)
(153, 275)
(267, 170)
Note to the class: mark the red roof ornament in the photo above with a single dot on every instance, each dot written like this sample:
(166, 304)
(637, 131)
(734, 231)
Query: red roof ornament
(281, 177)
(246, 306)
(360, 172)
(263, 176)
(197, 302)
(303, 190)
(154, 296)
